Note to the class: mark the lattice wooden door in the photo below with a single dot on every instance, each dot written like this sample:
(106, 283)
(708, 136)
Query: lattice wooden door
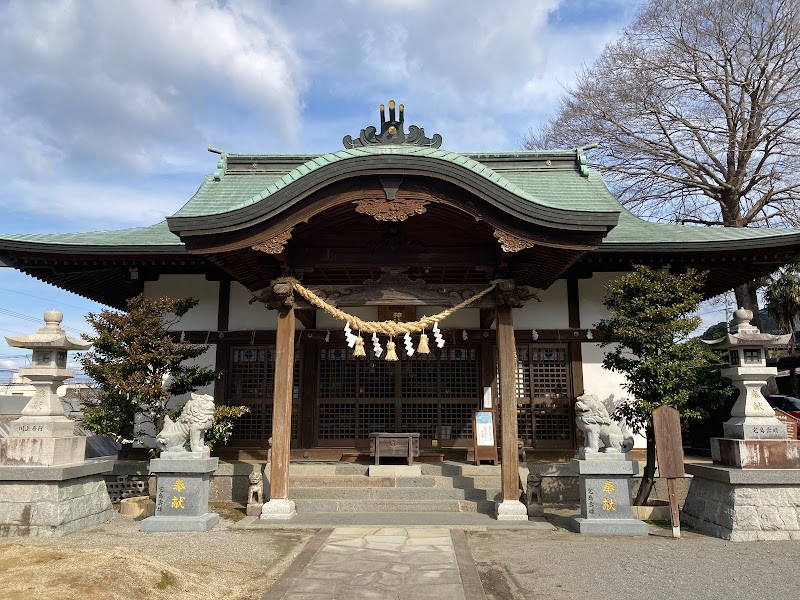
(433, 395)
(251, 383)
(544, 396)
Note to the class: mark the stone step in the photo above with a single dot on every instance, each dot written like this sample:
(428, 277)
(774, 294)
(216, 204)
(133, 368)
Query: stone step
(394, 494)
(344, 481)
(362, 481)
(308, 506)
(324, 468)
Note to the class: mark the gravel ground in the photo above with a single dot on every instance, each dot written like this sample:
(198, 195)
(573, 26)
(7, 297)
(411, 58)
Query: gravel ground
(117, 561)
(563, 565)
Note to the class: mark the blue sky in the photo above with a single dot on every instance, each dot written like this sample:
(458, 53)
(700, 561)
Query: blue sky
(107, 106)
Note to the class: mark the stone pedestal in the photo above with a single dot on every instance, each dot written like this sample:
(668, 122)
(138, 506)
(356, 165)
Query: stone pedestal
(53, 500)
(756, 454)
(743, 505)
(511, 510)
(278, 509)
(605, 487)
(182, 493)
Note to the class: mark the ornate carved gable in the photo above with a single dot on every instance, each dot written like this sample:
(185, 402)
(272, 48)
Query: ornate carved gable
(392, 133)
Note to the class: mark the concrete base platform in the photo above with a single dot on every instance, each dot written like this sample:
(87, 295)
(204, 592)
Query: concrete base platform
(743, 505)
(468, 521)
(53, 508)
(609, 526)
(158, 524)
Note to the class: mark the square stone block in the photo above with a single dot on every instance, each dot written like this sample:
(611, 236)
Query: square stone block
(38, 451)
(182, 494)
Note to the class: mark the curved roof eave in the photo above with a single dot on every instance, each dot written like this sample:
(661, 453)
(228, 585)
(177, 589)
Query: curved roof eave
(155, 239)
(634, 234)
(454, 168)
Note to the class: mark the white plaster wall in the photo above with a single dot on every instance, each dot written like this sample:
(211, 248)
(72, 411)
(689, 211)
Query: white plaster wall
(466, 318)
(551, 313)
(244, 316)
(604, 384)
(590, 295)
(201, 317)
(366, 313)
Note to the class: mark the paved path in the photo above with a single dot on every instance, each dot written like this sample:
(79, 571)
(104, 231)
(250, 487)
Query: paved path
(389, 563)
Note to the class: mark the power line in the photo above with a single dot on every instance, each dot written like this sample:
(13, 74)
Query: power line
(32, 319)
(59, 302)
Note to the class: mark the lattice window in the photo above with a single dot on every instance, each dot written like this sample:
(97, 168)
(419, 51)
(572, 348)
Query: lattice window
(249, 379)
(420, 376)
(524, 422)
(457, 420)
(458, 372)
(337, 421)
(376, 378)
(375, 417)
(523, 379)
(249, 425)
(252, 383)
(550, 372)
(420, 418)
(337, 373)
(553, 421)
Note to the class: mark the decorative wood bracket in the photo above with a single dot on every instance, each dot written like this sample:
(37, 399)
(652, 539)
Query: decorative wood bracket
(391, 210)
(508, 293)
(512, 243)
(276, 297)
(276, 244)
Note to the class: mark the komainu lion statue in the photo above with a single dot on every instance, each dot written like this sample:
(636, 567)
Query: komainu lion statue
(600, 430)
(196, 418)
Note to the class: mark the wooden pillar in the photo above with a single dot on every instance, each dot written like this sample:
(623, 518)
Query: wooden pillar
(507, 364)
(279, 506)
(282, 405)
(508, 297)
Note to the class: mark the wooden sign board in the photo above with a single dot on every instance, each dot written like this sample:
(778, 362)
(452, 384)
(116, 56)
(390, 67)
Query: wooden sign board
(669, 453)
(484, 436)
(789, 421)
(669, 446)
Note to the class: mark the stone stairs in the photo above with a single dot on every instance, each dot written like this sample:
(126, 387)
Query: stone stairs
(340, 487)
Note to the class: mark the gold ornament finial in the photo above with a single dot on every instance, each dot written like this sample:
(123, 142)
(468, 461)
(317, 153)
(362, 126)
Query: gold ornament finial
(391, 104)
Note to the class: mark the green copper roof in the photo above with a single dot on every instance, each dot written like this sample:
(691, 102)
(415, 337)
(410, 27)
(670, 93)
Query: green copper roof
(153, 239)
(232, 197)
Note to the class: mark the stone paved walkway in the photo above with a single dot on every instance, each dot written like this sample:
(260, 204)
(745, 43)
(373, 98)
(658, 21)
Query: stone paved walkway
(390, 563)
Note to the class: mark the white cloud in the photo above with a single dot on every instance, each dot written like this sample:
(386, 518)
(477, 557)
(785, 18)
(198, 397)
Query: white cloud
(88, 205)
(122, 83)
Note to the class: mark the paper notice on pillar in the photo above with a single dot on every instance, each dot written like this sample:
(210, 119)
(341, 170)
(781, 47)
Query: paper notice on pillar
(484, 429)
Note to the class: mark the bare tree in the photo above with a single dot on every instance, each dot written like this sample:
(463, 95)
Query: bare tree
(697, 111)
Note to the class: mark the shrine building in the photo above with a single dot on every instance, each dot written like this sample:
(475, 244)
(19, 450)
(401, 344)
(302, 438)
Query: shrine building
(393, 228)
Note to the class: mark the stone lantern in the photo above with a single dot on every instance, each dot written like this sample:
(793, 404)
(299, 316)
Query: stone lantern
(47, 487)
(752, 418)
(748, 493)
(43, 416)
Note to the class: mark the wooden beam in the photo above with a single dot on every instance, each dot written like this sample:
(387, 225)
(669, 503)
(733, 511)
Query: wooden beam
(308, 317)
(488, 315)
(282, 405)
(222, 349)
(506, 350)
(573, 303)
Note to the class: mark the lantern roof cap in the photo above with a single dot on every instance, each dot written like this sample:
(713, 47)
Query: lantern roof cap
(49, 336)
